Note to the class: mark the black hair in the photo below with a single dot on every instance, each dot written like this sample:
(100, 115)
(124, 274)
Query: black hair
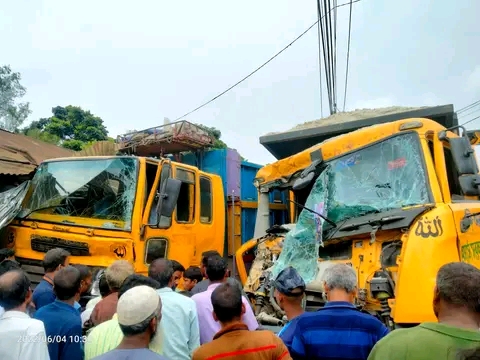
(136, 280)
(193, 273)
(469, 354)
(14, 287)
(207, 254)
(85, 271)
(54, 258)
(227, 302)
(66, 283)
(103, 286)
(177, 266)
(216, 268)
(458, 285)
(161, 270)
(8, 265)
(6, 253)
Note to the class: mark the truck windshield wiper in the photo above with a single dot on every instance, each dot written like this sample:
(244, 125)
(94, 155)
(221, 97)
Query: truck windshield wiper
(378, 222)
(314, 212)
(40, 209)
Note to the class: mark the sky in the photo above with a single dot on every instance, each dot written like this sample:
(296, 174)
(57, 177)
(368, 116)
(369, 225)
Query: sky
(135, 63)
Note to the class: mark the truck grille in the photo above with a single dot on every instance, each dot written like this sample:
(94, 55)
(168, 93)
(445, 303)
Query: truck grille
(44, 243)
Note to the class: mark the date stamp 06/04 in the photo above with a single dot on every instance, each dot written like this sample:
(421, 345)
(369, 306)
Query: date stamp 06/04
(51, 339)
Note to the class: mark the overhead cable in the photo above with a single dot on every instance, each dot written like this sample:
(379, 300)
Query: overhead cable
(261, 66)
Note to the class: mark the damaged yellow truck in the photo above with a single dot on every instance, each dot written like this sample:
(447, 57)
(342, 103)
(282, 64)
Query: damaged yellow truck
(395, 200)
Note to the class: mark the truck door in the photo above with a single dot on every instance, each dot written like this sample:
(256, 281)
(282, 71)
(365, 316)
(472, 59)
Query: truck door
(205, 235)
(174, 237)
(463, 205)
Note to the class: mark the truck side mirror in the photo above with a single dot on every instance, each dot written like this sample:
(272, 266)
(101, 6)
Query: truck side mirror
(168, 197)
(463, 155)
(469, 184)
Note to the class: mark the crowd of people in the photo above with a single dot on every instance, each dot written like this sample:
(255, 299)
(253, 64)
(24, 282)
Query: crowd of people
(146, 317)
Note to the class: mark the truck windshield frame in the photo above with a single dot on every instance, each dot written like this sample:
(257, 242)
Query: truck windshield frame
(388, 174)
(347, 189)
(97, 192)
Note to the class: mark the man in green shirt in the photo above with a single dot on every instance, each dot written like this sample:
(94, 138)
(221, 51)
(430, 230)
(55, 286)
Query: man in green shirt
(456, 305)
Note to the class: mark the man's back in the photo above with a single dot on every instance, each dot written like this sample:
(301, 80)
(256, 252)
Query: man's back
(208, 326)
(130, 354)
(108, 335)
(22, 337)
(237, 342)
(427, 341)
(180, 324)
(63, 327)
(203, 286)
(43, 294)
(337, 331)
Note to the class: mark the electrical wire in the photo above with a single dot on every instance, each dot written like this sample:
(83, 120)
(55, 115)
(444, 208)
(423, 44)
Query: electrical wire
(260, 67)
(469, 121)
(320, 60)
(468, 107)
(348, 56)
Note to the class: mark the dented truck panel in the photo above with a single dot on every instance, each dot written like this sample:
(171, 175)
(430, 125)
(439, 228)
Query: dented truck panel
(11, 203)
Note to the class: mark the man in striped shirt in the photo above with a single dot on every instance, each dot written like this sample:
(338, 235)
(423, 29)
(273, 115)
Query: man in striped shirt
(337, 331)
(108, 335)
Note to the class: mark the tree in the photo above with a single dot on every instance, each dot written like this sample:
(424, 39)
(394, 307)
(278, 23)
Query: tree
(217, 134)
(12, 113)
(74, 127)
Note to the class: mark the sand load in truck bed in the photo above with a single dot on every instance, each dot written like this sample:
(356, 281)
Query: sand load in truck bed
(165, 139)
(302, 136)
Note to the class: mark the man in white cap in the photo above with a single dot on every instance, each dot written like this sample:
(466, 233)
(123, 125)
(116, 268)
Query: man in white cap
(139, 311)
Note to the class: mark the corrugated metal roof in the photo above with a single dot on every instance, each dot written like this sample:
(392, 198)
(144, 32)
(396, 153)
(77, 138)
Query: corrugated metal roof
(20, 154)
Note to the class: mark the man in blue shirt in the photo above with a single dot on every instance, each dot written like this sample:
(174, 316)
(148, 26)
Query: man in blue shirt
(289, 293)
(53, 261)
(62, 321)
(338, 330)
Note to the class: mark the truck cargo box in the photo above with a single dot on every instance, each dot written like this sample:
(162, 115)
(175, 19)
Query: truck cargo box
(301, 137)
(165, 139)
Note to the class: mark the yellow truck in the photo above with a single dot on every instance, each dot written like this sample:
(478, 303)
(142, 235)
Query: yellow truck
(136, 208)
(395, 197)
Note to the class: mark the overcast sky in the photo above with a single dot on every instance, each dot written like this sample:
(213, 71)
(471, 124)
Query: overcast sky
(135, 62)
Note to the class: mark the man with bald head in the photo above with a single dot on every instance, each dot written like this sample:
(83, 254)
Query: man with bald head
(20, 336)
(63, 324)
(182, 333)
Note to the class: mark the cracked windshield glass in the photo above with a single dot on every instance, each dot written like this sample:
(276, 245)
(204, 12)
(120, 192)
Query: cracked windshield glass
(385, 176)
(79, 189)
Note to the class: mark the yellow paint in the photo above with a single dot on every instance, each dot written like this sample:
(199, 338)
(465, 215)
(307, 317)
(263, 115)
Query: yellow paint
(421, 256)
(186, 241)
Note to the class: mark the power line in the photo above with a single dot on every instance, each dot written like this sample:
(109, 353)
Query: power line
(263, 65)
(320, 59)
(469, 121)
(468, 107)
(348, 56)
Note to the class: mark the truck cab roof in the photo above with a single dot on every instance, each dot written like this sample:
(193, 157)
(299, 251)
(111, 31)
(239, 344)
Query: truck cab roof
(301, 137)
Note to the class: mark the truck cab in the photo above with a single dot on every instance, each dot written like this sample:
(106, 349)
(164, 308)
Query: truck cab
(395, 200)
(101, 209)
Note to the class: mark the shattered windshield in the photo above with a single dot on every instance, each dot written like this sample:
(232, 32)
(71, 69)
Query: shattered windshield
(99, 188)
(381, 177)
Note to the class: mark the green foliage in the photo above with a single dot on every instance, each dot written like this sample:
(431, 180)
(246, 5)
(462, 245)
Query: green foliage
(74, 127)
(217, 134)
(43, 136)
(75, 145)
(12, 113)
